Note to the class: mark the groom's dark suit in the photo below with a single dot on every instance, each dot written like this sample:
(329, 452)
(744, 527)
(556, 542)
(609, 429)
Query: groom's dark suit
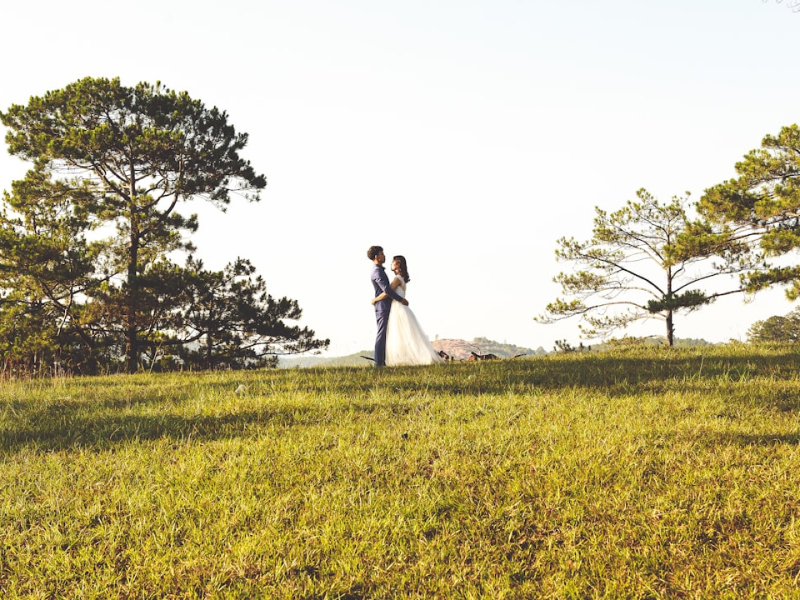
(381, 284)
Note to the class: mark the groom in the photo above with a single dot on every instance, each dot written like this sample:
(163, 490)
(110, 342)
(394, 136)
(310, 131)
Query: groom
(381, 284)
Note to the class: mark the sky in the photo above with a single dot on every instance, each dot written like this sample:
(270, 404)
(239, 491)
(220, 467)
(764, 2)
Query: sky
(468, 136)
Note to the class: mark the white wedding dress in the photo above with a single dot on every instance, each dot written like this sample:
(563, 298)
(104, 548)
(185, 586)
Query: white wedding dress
(406, 342)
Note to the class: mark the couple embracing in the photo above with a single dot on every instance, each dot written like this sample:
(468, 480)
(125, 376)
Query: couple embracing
(400, 339)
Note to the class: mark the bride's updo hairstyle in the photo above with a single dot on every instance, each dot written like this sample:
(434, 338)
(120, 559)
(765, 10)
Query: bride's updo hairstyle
(401, 261)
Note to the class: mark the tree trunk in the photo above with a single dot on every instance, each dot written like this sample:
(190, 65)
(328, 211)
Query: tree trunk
(670, 329)
(132, 346)
(670, 325)
(209, 350)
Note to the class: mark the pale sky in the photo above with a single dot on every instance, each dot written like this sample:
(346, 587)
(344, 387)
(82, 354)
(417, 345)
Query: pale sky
(468, 136)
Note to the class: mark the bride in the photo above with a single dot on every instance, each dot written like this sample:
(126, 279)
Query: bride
(406, 342)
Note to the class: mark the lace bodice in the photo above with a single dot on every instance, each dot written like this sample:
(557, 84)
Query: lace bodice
(401, 289)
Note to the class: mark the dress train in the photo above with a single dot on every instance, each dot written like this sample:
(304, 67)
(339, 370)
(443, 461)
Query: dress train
(406, 342)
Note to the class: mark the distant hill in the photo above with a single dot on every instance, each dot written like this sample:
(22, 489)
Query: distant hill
(458, 349)
(352, 360)
(461, 349)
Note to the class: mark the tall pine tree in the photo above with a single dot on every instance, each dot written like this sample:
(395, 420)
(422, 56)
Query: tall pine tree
(119, 162)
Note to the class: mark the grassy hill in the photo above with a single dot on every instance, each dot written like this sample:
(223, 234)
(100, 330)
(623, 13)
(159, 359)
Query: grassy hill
(645, 473)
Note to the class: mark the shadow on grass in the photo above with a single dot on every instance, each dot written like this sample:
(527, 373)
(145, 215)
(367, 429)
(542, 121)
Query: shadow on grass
(75, 425)
(742, 439)
(84, 428)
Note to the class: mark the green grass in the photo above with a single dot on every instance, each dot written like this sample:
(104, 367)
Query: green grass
(639, 474)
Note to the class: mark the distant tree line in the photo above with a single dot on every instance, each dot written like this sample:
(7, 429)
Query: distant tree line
(564, 347)
(653, 260)
(486, 346)
(88, 237)
(777, 329)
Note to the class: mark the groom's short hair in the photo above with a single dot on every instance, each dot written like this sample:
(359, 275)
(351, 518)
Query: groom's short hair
(373, 252)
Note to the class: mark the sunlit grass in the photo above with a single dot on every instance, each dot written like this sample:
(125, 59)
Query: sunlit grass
(641, 474)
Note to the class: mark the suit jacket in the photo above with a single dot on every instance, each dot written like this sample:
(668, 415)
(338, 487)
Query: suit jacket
(381, 284)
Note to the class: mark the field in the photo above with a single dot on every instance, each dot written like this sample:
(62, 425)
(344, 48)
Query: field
(645, 473)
